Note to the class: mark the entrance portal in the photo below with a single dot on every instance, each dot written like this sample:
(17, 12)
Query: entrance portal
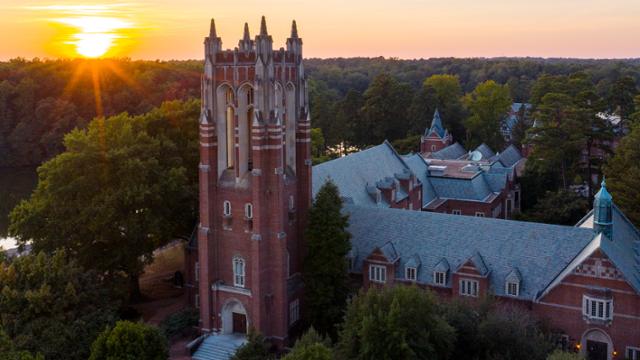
(596, 350)
(234, 318)
(597, 345)
(239, 323)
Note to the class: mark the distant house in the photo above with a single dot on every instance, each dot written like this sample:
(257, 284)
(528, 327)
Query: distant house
(513, 117)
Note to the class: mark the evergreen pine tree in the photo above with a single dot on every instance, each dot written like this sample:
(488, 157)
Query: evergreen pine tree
(325, 272)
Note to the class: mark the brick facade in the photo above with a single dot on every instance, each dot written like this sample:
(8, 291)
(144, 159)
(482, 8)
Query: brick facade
(255, 187)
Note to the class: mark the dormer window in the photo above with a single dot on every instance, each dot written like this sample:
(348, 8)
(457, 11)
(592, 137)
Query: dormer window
(512, 283)
(440, 278)
(512, 288)
(411, 273)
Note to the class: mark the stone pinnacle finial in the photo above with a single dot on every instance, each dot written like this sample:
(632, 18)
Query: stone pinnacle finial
(263, 26)
(294, 30)
(212, 30)
(246, 36)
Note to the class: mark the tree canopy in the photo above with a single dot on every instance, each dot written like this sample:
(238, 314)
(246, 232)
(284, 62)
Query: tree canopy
(130, 341)
(488, 104)
(52, 306)
(401, 322)
(127, 187)
(325, 270)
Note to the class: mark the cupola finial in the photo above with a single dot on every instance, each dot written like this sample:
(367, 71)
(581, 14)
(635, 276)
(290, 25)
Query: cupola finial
(294, 30)
(246, 36)
(212, 30)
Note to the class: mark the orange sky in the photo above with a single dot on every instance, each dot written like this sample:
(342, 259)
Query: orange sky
(170, 29)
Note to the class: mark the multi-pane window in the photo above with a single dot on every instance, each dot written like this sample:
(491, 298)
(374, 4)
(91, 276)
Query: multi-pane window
(411, 273)
(597, 309)
(479, 214)
(248, 211)
(226, 208)
(633, 353)
(439, 278)
(196, 271)
(294, 311)
(377, 273)
(238, 271)
(456, 212)
(512, 288)
(469, 287)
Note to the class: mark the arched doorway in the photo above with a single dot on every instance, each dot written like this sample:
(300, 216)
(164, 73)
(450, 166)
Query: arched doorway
(234, 318)
(597, 345)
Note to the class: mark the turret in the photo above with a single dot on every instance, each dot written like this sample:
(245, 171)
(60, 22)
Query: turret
(246, 44)
(264, 42)
(602, 212)
(435, 137)
(212, 43)
(294, 43)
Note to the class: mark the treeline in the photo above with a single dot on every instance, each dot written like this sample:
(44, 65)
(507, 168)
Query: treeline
(42, 100)
(407, 92)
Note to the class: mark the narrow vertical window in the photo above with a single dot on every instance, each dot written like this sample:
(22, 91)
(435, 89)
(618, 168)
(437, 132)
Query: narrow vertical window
(238, 272)
(196, 271)
(248, 211)
(226, 208)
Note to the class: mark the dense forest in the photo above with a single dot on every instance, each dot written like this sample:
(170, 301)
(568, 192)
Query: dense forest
(41, 100)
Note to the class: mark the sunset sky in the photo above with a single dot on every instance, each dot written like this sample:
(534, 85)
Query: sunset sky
(170, 29)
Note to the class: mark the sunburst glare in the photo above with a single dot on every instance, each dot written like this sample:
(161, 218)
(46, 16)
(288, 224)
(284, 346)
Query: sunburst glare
(96, 34)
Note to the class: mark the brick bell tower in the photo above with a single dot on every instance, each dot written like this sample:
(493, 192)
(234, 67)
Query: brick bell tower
(255, 185)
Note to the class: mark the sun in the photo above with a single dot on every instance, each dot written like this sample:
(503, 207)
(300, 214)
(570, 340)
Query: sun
(94, 35)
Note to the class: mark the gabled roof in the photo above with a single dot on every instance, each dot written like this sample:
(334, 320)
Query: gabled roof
(420, 168)
(451, 152)
(539, 251)
(485, 150)
(514, 276)
(357, 174)
(442, 266)
(389, 251)
(624, 248)
(510, 156)
(413, 261)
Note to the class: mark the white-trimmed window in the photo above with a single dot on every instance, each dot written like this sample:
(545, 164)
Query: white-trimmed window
(196, 271)
(292, 202)
(378, 273)
(433, 148)
(456, 212)
(411, 273)
(597, 309)
(440, 278)
(196, 301)
(238, 271)
(226, 208)
(512, 288)
(632, 353)
(294, 311)
(469, 287)
(248, 211)
(479, 214)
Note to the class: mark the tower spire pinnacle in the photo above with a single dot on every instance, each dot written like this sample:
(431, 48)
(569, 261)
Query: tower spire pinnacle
(246, 36)
(294, 30)
(212, 30)
(263, 26)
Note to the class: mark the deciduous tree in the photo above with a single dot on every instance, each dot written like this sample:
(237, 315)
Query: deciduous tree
(488, 104)
(130, 341)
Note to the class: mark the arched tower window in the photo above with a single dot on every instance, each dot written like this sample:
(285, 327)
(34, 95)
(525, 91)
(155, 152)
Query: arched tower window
(290, 127)
(238, 272)
(225, 125)
(245, 121)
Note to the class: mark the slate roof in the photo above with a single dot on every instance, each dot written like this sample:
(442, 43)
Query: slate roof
(485, 150)
(357, 174)
(451, 152)
(510, 156)
(436, 126)
(624, 250)
(539, 251)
